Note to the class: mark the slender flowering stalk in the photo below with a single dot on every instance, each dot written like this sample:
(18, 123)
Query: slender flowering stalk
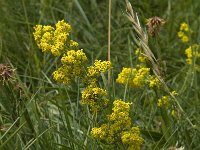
(183, 31)
(109, 33)
(192, 52)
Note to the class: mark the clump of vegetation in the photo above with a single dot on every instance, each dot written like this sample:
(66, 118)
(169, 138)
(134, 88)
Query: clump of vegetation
(136, 89)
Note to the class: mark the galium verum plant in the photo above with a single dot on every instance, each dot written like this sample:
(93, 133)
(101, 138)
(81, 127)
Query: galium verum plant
(74, 67)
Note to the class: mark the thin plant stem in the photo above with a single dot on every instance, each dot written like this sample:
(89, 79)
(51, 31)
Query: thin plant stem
(109, 33)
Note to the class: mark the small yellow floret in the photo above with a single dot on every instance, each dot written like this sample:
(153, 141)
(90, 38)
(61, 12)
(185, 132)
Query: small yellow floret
(184, 27)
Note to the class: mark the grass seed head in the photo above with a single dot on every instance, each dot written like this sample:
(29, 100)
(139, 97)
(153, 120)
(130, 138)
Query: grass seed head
(6, 72)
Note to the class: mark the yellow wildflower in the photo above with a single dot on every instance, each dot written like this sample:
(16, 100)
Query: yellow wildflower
(98, 67)
(154, 82)
(137, 51)
(119, 127)
(74, 58)
(132, 138)
(94, 97)
(94, 71)
(191, 52)
(120, 113)
(63, 75)
(43, 36)
(100, 133)
(73, 66)
(185, 39)
(174, 113)
(188, 52)
(133, 77)
(73, 44)
(142, 59)
(163, 101)
(51, 39)
(184, 27)
(182, 34)
(174, 93)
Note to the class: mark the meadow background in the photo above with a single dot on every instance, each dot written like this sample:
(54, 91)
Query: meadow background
(44, 114)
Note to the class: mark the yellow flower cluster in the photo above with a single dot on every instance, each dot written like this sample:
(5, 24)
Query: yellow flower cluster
(73, 44)
(100, 133)
(93, 72)
(132, 138)
(74, 58)
(53, 40)
(63, 75)
(56, 40)
(163, 101)
(192, 52)
(168, 103)
(120, 115)
(73, 66)
(119, 127)
(137, 77)
(184, 28)
(98, 67)
(153, 81)
(94, 97)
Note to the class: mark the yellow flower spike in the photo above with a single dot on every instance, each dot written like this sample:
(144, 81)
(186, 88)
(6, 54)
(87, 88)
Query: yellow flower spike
(48, 29)
(126, 76)
(192, 52)
(182, 34)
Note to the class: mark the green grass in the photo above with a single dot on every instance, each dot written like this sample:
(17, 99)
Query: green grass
(44, 114)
